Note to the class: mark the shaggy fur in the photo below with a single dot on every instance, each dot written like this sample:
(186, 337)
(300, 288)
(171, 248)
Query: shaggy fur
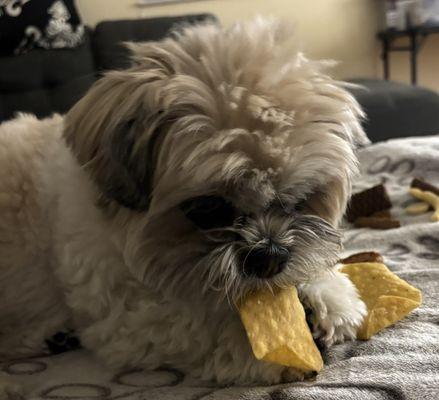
(93, 235)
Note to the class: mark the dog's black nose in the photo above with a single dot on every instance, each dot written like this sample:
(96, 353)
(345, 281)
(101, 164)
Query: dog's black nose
(265, 262)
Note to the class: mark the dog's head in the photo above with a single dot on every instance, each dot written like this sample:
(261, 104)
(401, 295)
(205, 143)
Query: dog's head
(226, 155)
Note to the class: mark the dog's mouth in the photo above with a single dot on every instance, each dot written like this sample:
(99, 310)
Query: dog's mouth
(222, 265)
(270, 252)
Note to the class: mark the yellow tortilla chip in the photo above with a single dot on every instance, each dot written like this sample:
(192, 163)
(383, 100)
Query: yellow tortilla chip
(277, 329)
(387, 311)
(417, 208)
(428, 197)
(388, 298)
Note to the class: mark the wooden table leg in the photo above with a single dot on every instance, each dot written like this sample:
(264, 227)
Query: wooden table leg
(413, 58)
(385, 57)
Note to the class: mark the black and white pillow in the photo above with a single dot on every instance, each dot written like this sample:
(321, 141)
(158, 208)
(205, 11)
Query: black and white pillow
(47, 24)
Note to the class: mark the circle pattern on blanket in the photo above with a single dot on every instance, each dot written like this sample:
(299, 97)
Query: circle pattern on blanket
(27, 367)
(379, 165)
(384, 164)
(428, 256)
(403, 167)
(141, 378)
(431, 244)
(397, 249)
(84, 391)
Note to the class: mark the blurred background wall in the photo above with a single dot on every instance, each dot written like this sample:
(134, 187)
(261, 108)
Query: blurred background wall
(344, 30)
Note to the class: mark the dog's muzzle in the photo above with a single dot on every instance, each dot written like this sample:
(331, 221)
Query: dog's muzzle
(265, 261)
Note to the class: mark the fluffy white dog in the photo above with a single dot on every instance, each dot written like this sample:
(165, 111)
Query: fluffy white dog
(221, 162)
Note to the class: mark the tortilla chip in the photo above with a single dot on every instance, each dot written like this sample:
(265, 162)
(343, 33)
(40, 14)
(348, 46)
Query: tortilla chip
(417, 208)
(388, 298)
(277, 329)
(428, 197)
(387, 311)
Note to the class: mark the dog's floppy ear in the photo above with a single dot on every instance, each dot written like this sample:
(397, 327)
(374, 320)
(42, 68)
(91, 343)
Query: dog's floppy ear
(115, 133)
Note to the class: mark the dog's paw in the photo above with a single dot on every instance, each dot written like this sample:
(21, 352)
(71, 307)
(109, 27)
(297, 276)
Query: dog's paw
(337, 310)
(9, 389)
(337, 327)
(294, 375)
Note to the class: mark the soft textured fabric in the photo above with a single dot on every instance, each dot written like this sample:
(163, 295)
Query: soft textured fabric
(401, 362)
(30, 24)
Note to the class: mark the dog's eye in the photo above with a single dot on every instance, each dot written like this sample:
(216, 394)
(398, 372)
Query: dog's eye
(300, 206)
(209, 212)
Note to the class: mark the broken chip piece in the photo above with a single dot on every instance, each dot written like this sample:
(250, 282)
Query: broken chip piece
(424, 186)
(376, 223)
(428, 197)
(277, 330)
(387, 310)
(364, 256)
(388, 298)
(382, 214)
(420, 207)
(368, 202)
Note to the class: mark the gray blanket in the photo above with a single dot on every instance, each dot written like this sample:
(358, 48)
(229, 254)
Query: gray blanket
(401, 362)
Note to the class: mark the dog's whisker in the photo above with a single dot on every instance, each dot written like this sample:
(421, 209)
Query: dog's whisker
(253, 247)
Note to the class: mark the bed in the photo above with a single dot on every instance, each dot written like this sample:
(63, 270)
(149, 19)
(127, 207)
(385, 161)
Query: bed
(401, 362)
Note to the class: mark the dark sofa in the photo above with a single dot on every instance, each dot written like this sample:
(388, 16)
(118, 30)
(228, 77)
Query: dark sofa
(396, 109)
(47, 81)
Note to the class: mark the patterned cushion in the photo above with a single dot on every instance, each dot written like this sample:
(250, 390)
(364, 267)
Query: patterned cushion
(47, 24)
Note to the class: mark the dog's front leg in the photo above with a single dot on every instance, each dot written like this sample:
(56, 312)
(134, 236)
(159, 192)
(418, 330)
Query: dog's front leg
(337, 310)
